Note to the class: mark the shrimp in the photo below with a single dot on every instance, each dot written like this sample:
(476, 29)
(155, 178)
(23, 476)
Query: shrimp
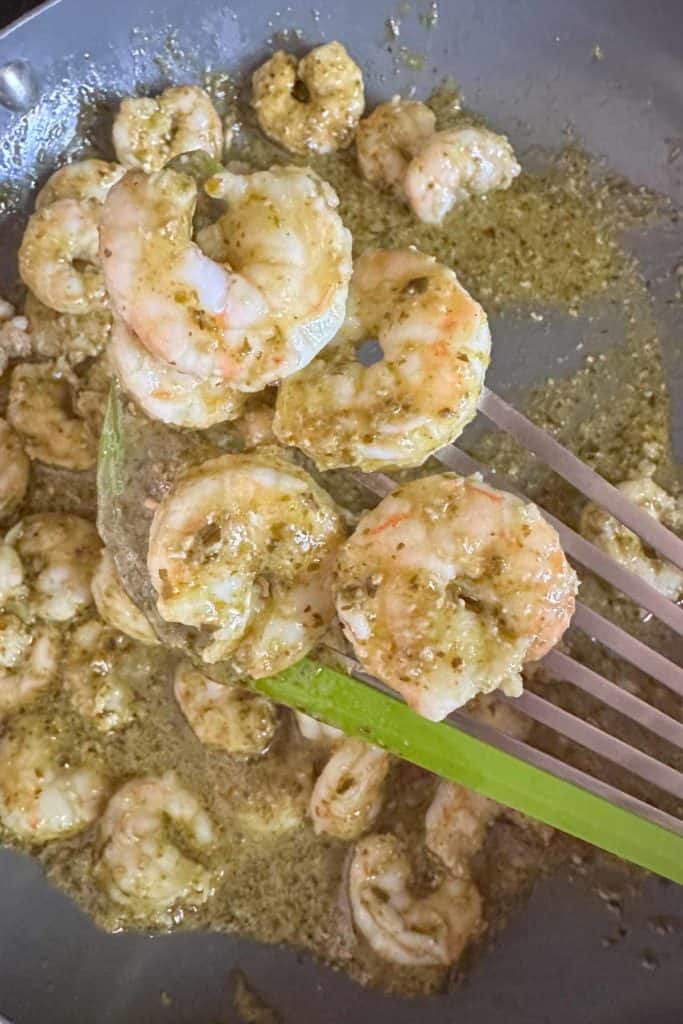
(115, 606)
(83, 180)
(347, 796)
(244, 547)
(65, 336)
(225, 716)
(626, 548)
(260, 311)
(405, 929)
(455, 825)
(167, 395)
(150, 131)
(454, 165)
(311, 105)
(269, 814)
(435, 344)
(448, 587)
(14, 470)
(152, 840)
(29, 657)
(389, 138)
(317, 732)
(58, 555)
(255, 423)
(95, 676)
(15, 338)
(40, 409)
(47, 791)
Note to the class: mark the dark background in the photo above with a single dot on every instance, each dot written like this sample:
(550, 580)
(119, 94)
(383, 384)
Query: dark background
(11, 9)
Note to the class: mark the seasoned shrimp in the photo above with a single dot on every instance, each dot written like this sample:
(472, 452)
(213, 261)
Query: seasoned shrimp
(153, 838)
(389, 138)
(244, 546)
(83, 179)
(14, 470)
(41, 410)
(317, 732)
(454, 165)
(456, 823)
(435, 343)
(347, 796)
(448, 587)
(166, 394)
(403, 928)
(65, 336)
(114, 604)
(225, 716)
(95, 675)
(59, 259)
(47, 791)
(150, 131)
(255, 423)
(625, 547)
(311, 105)
(271, 298)
(16, 341)
(58, 554)
(272, 812)
(28, 660)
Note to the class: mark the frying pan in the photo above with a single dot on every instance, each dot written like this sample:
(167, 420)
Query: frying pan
(573, 954)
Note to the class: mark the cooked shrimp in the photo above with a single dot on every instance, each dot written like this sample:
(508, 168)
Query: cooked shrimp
(626, 548)
(403, 928)
(41, 410)
(255, 423)
(435, 343)
(260, 311)
(47, 791)
(166, 394)
(16, 341)
(58, 554)
(96, 678)
(14, 470)
(457, 164)
(389, 138)
(347, 796)
(456, 823)
(244, 546)
(153, 838)
(311, 105)
(65, 336)
(114, 604)
(225, 716)
(83, 179)
(448, 587)
(58, 256)
(317, 732)
(11, 576)
(150, 131)
(270, 813)
(28, 661)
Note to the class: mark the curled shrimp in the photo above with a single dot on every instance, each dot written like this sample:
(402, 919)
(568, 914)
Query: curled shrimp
(229, 717)
(115, 606)
(347, 795)
(626, 548)
(448, 587)
(64, 336)
(454, 165)
(389, 138)
(153, 840)
(311, 105)
(29, 657)
(41, 410)
(14, 470)
(83, 180)
(166, 394)
(456, 824)
(270, 300)
(47, 790)
(435, 346)
(95, 675)
(150, 131)
(244, 547)
(401, 927)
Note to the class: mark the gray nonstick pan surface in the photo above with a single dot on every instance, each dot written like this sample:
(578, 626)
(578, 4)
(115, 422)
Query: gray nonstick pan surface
(572, 955)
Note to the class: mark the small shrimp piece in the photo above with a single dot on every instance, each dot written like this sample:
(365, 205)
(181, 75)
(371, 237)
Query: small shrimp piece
(115, 606)
(244, 547)
(152, 840)
(389, 138)
(225, 716)
(46, 791)
(29, 656)
(58, 554)
(83, 179)
(164, 393)
(617, 541)
(435, 346)
(150, 131)
(65, 336)
(16, 341)
(255, 424)
(400, 927)
(455, 165)
(14, 470)
(271, 813)
(95, 676)
(456, 824)
(317, 732)
(348, 793)
(41, 410)
(59, 259)
(311, 105)
(448, 587)
(264, 307)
